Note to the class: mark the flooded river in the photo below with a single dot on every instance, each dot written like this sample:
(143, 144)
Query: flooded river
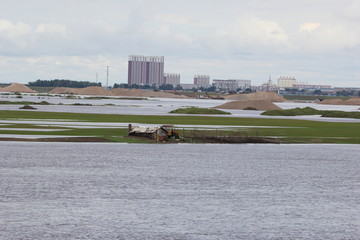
(178, 191)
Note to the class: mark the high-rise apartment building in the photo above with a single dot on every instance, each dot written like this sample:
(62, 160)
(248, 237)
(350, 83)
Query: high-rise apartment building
(202, 81)
(145, 70)
(172, 78)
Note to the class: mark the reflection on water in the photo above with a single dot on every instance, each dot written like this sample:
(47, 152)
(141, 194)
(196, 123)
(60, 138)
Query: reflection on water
(182, 191)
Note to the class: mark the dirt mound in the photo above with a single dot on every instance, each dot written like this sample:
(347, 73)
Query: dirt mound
(95, 91)
(17, 87)
(251, 104)
(64, 90)
(351, 101)
(143, 93)
(271, 96)
(332, 101)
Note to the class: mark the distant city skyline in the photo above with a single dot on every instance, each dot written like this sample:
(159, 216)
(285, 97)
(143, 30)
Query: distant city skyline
(316, 41)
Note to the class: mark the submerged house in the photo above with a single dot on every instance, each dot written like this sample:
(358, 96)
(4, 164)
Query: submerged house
(161, 133)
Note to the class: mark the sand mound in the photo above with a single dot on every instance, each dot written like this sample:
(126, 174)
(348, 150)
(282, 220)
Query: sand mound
(64, 90)
(332, 101)
(351, 101)
(143, 93)
(271, 96)
(17, 87)
(256, 104)
(95, 91)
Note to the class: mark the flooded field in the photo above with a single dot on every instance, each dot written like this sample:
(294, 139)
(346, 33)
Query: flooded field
(162, 106)
(146, 191)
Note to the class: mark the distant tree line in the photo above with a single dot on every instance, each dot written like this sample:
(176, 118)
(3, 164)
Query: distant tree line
(63, 83)
(347, 93)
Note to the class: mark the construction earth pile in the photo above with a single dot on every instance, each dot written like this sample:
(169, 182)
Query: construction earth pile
(16, 87)
(270, 96)
(351, 101)
(253, 101)
(250, 105)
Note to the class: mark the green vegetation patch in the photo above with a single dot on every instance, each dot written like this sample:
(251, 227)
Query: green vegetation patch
(293, 112)
(195, 110)
(25, 103)
(312, 111)
(341, 114)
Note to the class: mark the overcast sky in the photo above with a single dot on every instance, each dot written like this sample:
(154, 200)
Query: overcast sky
(317, 41)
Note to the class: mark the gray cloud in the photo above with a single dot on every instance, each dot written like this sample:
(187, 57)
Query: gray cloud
(318, 41)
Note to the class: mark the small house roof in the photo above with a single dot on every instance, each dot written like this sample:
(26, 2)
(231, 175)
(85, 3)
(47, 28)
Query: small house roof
(142, 129)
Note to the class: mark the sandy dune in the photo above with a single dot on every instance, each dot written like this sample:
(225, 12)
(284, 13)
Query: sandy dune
(256, 104)
(97, 91)
(351, 101)
(271, 96)
(17, 87)
(64, 90)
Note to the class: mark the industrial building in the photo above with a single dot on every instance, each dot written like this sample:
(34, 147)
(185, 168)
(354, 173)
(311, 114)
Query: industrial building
(145, 70)
(285, 82)
(231, 84)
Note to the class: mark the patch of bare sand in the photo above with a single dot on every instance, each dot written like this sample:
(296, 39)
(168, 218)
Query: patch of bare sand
(351, 101)
(64, 90)
(254, 104)
(143, 93)
(97, 91)
(271, 96)
(17, 87)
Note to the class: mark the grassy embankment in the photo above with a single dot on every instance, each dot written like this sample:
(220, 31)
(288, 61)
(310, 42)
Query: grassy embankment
(196, 110)
(288, 130)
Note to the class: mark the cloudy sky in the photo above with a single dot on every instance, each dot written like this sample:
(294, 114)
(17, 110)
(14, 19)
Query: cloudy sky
(317, 41)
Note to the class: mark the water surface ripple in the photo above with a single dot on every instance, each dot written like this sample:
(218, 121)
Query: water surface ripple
(179, 192)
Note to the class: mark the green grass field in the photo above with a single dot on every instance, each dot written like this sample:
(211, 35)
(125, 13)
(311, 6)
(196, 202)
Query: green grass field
(289, 130)
(196, 110)
(312, 111)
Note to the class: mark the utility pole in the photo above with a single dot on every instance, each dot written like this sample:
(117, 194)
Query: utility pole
(107, 76)
(97, 77)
